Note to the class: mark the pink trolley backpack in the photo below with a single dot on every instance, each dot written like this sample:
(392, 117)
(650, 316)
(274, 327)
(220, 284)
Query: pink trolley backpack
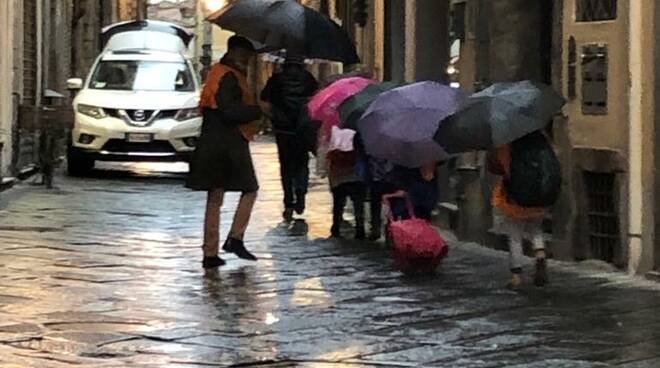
(417, 247)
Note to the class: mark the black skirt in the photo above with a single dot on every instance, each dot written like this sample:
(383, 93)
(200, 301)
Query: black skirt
(222, 158)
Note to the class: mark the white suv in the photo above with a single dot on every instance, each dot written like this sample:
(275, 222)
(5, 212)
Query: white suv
(138, 103)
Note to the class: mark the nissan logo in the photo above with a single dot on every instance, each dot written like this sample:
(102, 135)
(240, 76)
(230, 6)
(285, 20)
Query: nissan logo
(139, 115)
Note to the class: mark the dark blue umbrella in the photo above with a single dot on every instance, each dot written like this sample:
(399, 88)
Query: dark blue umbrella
(499, 115)
(286, 24)
(399, 125)
(351, 110)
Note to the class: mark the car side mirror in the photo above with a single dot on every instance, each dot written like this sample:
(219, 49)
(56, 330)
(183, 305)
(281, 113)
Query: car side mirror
(74, 84)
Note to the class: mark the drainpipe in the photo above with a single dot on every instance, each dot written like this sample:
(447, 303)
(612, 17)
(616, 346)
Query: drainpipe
(40, 52)
(640, 100)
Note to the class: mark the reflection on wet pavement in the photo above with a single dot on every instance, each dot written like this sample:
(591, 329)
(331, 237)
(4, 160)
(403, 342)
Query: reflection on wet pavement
(105, 272)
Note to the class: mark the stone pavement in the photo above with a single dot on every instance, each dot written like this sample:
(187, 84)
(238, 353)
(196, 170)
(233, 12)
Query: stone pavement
(105, 272)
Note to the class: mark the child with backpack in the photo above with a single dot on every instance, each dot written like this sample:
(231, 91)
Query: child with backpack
(529, 182)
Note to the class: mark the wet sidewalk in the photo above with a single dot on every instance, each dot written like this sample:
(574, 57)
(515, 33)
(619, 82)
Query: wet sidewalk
(105, 272)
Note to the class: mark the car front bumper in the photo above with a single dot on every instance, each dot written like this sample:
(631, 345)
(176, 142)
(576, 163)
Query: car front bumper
(107, 139)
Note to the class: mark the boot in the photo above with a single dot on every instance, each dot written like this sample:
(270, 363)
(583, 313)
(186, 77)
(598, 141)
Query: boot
(541, 272)
(335, 230)
(287, 215)
(237, 247)
(375, 233)
(300, 203)
(212, 262)
(359, 229)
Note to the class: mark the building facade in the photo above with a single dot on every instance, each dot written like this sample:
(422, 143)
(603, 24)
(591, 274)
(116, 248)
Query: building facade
(598, 55)
(45, 42)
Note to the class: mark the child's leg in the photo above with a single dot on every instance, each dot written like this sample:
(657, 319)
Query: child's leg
(358, 196)
(515, 254)
(515, 259)
(538, 242)
(338, 204)
(537, 239)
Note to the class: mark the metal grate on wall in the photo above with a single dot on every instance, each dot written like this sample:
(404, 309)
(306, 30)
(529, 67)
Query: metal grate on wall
(602, 212)
(29, 52)
(572, 68)
(595, 10)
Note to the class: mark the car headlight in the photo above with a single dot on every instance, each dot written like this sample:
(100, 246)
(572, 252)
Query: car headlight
(92, 111)
(187, 114)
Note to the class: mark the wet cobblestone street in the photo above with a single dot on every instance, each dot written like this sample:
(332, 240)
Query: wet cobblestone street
(105, 272)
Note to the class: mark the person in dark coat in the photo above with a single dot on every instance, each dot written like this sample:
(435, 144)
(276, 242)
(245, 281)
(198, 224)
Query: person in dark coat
(222, 162)
(421, 185)
(288, 92)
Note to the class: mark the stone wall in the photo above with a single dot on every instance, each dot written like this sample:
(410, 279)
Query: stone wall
(186, 14)
(180, 12)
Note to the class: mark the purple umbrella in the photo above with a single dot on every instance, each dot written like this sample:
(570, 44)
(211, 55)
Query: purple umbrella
(399, 126)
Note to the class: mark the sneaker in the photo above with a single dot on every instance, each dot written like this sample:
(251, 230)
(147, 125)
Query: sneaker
(213, 262)
(288, 215)
(238, 248)
(541, 273)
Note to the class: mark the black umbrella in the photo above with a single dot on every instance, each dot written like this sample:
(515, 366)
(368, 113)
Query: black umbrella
(499, 115)
(145, 25)
(352, 109)
(286, 24)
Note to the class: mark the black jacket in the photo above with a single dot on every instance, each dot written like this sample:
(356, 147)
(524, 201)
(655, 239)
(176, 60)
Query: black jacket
(288, 91)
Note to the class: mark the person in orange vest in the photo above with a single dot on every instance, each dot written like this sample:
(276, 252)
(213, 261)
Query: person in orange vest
(515, 221)
(222, 162)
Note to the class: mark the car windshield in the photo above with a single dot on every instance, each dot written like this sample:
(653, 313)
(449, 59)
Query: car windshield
(136, 75)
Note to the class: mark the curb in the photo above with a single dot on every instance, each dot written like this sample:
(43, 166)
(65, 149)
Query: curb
(27, 172)
(10, 182)
(7, 183)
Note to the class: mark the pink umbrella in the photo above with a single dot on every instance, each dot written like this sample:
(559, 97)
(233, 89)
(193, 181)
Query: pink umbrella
(324, 105)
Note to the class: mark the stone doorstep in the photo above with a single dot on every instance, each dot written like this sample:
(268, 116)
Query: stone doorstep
(7, 183)
(653, 276)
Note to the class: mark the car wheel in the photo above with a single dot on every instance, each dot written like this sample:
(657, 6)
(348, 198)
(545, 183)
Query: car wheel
(79, 163)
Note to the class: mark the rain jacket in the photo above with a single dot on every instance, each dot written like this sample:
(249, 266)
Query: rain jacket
(223, 73)
(288, 91)
(499, 163)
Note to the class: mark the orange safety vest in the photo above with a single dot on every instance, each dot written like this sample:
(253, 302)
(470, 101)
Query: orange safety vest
(502, 201)
(210, 90)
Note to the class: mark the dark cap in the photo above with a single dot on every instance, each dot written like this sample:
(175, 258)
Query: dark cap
(240, 42)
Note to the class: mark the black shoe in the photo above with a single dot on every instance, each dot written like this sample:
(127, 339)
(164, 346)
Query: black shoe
(300, 205)
(238, 248)
(213, 262)
(288, 215)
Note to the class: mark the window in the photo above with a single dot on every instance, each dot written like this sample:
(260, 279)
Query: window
(602, 215)
(595, 10)
(134, 75)
(594, 79)
(572, 68)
